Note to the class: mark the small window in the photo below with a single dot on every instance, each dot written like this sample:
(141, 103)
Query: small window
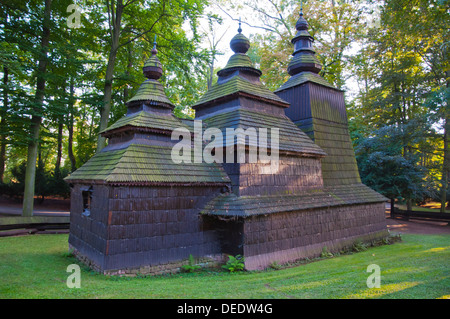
(87, 200)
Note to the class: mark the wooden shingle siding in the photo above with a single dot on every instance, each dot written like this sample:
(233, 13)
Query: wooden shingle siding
(158, 225)
(286, 237)
(320, 113)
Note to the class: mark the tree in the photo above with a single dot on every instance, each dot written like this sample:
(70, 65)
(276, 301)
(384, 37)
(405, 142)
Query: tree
(402, 70)
(132, 20)
(36, 118)
(384, 168)
(335, 25)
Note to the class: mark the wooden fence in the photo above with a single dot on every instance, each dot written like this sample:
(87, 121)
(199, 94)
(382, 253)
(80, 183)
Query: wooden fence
(422, 215)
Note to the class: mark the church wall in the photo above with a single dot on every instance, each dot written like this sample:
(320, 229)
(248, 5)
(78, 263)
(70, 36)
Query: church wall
(293, 175)
(143, 226)
(290, 236)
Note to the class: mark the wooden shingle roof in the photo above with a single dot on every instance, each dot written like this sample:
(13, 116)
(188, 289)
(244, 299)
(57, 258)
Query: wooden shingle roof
(304, 77)
(244, 206)
(146, 165)
(146, 120)
(151, 91)
(291, 138)
(236, 85)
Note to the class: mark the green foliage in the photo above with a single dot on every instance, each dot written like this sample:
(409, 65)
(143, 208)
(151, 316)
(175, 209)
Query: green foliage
(47, 183)
(190, 267)
(234, 263)
(384, 166)
(275, 265)
(359, 246)
(325, 253)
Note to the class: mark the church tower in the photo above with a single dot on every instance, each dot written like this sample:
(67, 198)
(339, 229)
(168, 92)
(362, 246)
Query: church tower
(319, 110)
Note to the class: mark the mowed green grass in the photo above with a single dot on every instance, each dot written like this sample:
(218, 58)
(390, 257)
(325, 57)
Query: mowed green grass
(417, 267)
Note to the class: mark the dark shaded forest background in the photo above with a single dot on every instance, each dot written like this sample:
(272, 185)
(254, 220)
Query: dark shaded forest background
(66, 74)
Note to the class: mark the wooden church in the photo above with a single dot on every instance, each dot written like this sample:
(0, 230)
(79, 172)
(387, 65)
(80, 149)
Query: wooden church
(134, 210)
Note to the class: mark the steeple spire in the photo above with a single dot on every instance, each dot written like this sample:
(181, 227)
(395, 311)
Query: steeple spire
(304, 58)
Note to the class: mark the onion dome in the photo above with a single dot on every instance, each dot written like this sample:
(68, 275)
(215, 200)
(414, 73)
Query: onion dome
(304, 58)
(239, 60)
(151, 92)
(240, 43)
(152, 67)
(239, 77)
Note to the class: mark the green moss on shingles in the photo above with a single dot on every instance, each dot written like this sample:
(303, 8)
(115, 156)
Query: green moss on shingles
(237, 84)
(148, 120)
(304, 77)
(151, 90)
(291, 138)
(146, 164)
(239, 60)
(232, 205)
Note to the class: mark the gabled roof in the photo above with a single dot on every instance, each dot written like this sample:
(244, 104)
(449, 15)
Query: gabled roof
(244, 206)
(146, 165)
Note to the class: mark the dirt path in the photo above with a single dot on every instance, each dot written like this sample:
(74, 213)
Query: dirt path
(53, 207)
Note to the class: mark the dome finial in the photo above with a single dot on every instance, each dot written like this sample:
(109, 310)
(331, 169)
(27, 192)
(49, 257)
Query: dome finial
(240, 43)
(154, 51)
(301, 8)
(152, 67)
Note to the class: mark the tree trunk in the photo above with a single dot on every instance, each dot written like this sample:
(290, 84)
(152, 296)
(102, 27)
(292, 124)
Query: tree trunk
(59, 149)
(30, 173)
(446, 164)
(107, 92)
(72, 159)
(392, 207)
(409, 204)
(3, 125)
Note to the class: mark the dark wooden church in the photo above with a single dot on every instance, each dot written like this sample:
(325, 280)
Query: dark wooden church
(134, 210)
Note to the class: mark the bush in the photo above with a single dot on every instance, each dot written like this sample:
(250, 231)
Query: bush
(234, 263)
(46, 183)
(190, 267)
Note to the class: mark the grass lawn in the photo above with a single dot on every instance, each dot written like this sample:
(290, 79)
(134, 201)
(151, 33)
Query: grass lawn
(418, 267)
